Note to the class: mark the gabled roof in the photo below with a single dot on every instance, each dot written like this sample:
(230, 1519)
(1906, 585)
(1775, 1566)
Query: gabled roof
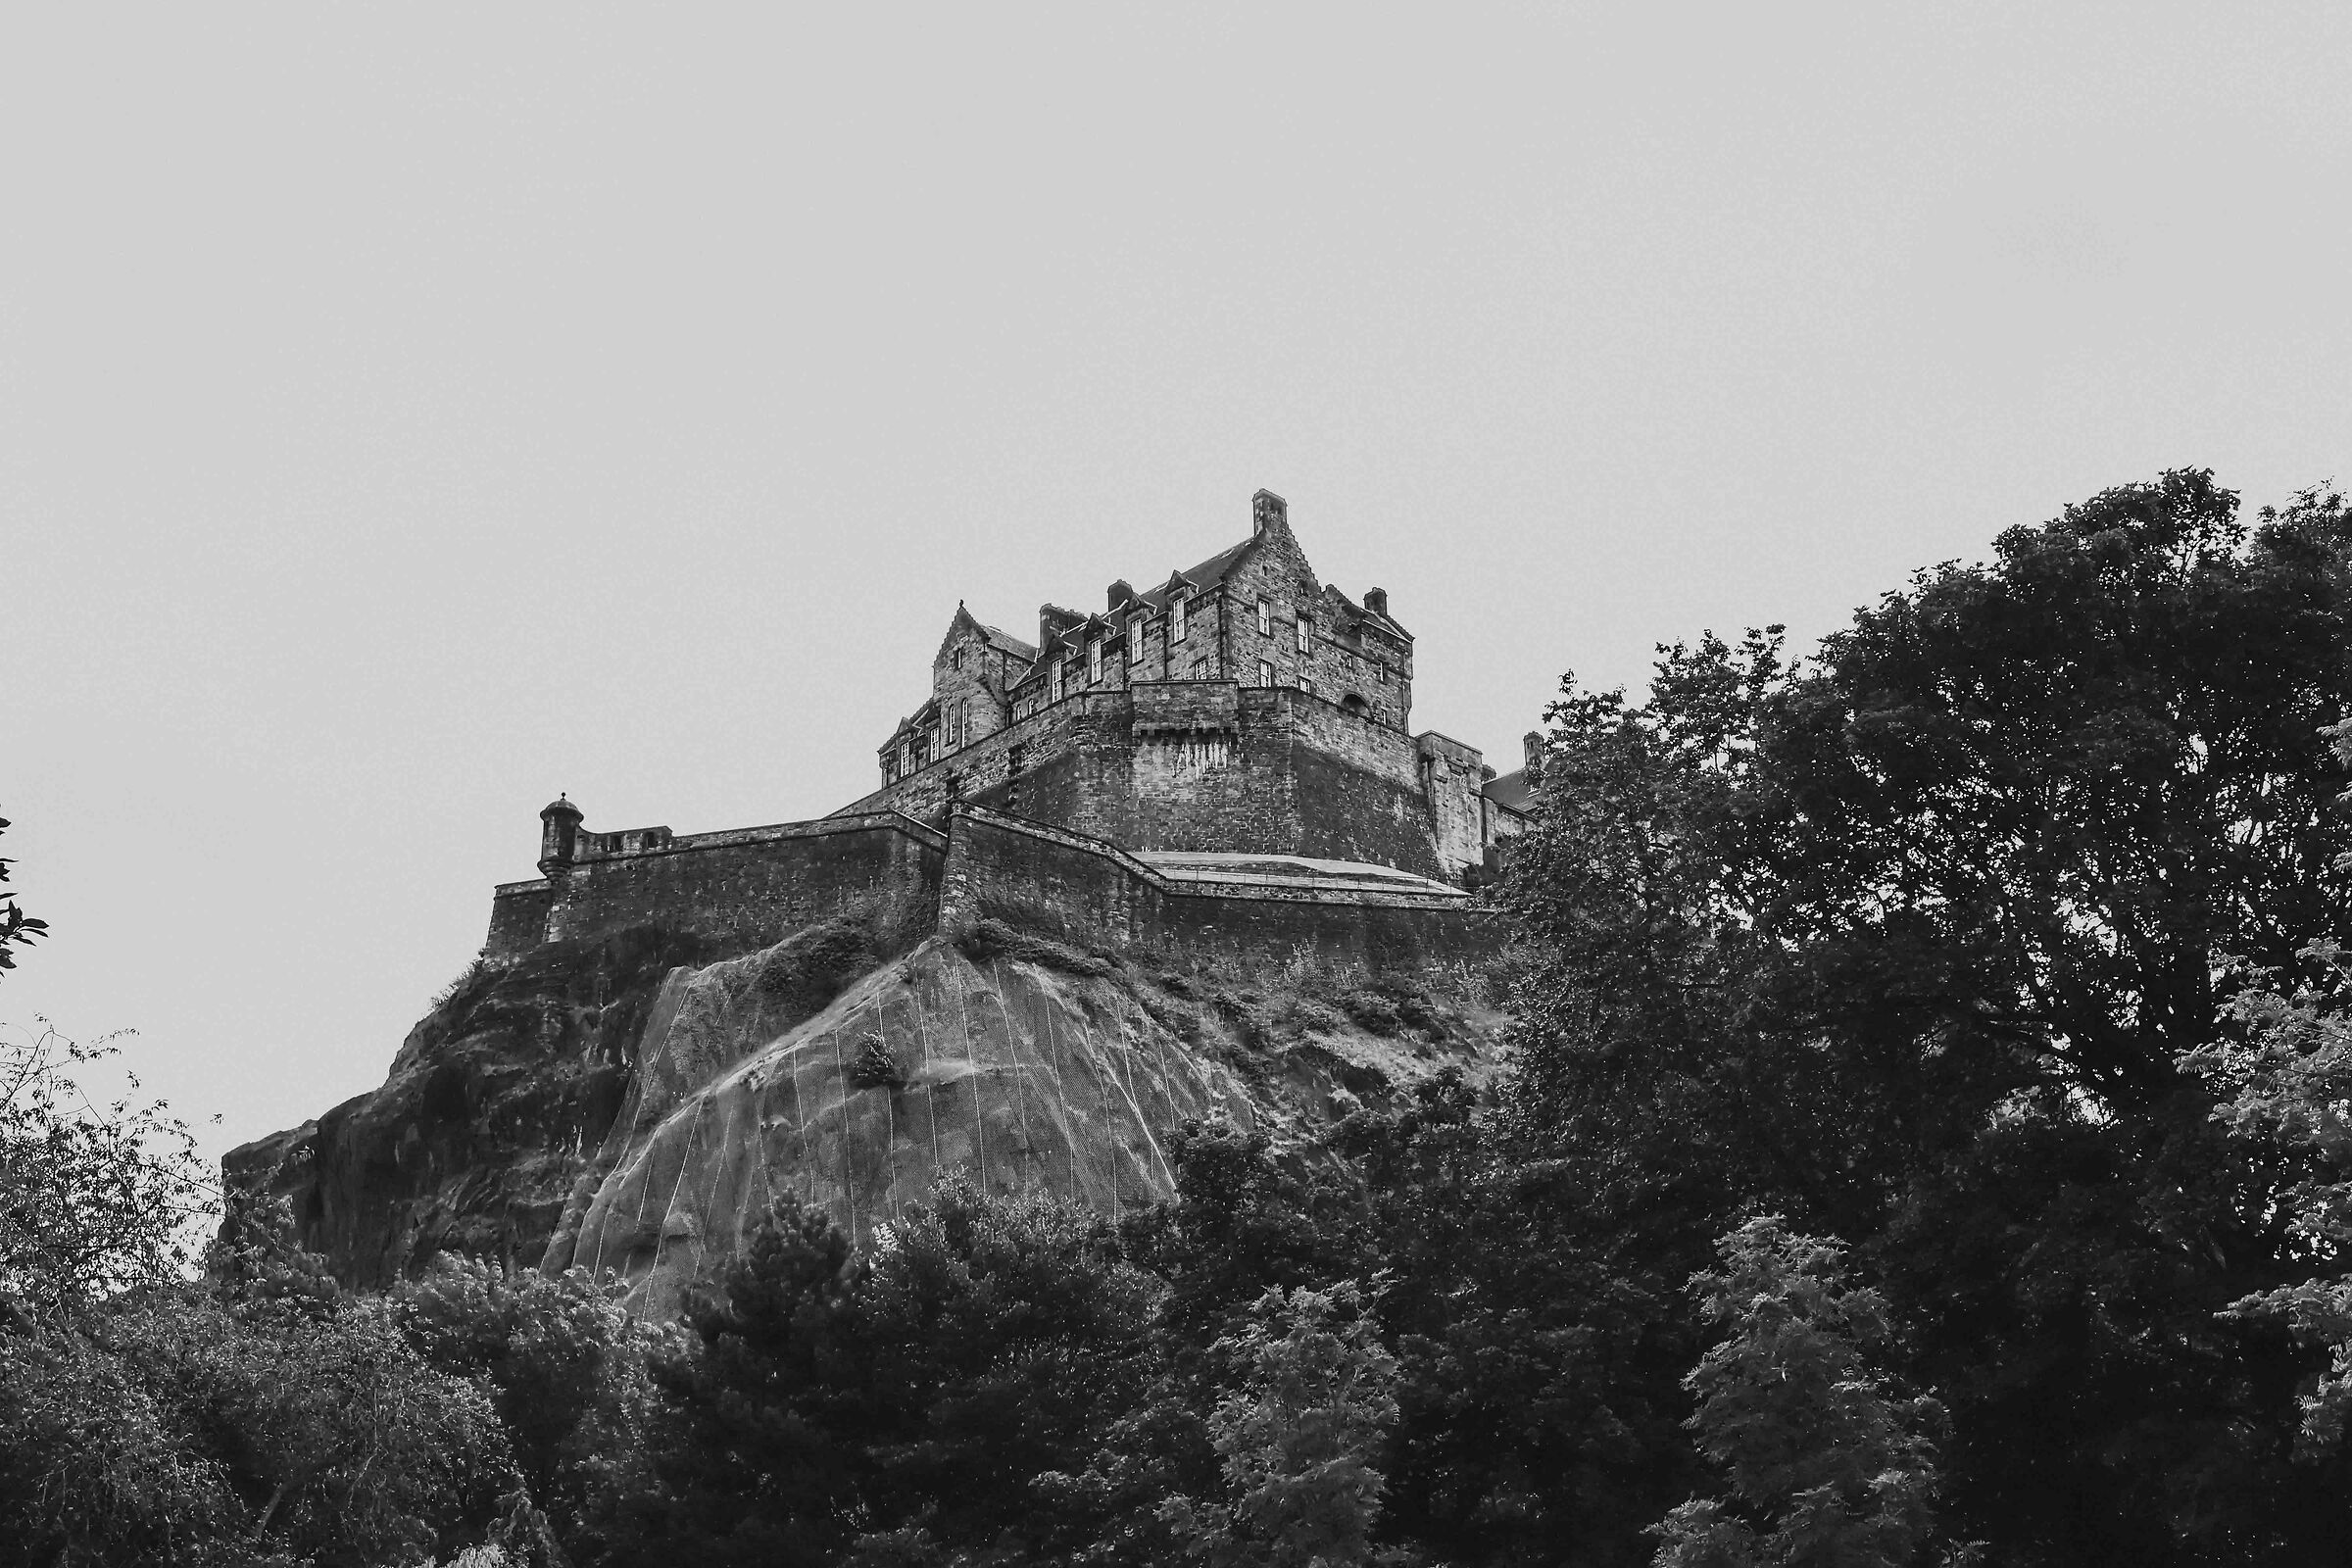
(927, 712)
(1007, 643)
(1209, 574)
(994, 637)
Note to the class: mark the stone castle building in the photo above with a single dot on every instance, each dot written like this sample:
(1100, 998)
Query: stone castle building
(1221, 758)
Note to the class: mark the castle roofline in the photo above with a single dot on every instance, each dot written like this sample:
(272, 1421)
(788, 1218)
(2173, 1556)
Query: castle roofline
(995, 636)
(1379, 620)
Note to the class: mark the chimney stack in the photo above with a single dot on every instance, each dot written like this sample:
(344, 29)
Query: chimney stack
(1122, 592)
(1532, 743)
(1267, 509)
(1376, 600)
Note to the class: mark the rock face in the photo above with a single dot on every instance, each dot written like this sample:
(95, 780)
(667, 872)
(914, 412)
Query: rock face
(633, 1104)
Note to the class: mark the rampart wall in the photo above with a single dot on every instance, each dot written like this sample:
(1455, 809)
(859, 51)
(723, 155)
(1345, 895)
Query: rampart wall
(1049, 878)
(757, 883)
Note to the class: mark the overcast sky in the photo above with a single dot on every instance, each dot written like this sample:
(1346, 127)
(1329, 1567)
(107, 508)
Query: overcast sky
(409, 413)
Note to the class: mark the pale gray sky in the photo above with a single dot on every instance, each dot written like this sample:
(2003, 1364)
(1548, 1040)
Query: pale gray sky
(408, 414)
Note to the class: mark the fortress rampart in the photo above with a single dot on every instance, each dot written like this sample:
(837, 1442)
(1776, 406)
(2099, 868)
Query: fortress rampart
(760, 884)
(757, 883)
(1085, 890)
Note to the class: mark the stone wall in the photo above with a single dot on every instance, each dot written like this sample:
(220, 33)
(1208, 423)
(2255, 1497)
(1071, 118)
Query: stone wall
(753, 885)
(1453, 780)
(1212, 765)
(1091, 893)
(518, 918)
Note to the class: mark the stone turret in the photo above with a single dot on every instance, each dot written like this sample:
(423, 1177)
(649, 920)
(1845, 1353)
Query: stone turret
(558, 835)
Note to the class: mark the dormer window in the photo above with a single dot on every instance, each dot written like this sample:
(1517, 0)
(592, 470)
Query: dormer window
(1176, 616)
(1054, 680)
(1094, 663)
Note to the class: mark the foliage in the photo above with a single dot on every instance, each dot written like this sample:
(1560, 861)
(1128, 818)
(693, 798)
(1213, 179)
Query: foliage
(1297, 1438)
(16, 928)
(1539, 1345)
(564, 1365)
(828, 1400)
(1905, 942)
(1824, 1463)
(173, 1426)
(94, 1198)
(2289, 1083)
(99, 1463)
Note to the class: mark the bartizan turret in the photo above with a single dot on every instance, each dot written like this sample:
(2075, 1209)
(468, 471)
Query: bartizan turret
(558, 835)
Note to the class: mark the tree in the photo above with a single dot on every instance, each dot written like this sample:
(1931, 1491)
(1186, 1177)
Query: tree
(930, 1395)
(1539, 1343)
(1299, 1439)
(1824, 1464)
(1906, 942)
(94, 1198)
(566, 1365)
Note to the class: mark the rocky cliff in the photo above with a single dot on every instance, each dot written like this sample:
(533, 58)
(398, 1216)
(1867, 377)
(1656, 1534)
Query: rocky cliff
(633, 1103)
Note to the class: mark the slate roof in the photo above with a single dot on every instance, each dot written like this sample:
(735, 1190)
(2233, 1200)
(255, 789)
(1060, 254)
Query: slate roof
(1511, 792)
(1206, 576)
(1005, 642)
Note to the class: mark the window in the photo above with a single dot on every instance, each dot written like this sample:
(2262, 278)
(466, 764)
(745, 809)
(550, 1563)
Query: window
(1306, 685)
(1265, 621)
(956, 659)
(905, 757)
(1176, 615)
(1054, 680)
(1265, 672)
(1304, 627)
(1094, 662)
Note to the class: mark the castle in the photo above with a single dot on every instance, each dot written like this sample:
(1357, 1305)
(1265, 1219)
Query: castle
(1223, 759)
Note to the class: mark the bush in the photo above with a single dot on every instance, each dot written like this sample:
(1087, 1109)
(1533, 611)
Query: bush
(988, 938)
